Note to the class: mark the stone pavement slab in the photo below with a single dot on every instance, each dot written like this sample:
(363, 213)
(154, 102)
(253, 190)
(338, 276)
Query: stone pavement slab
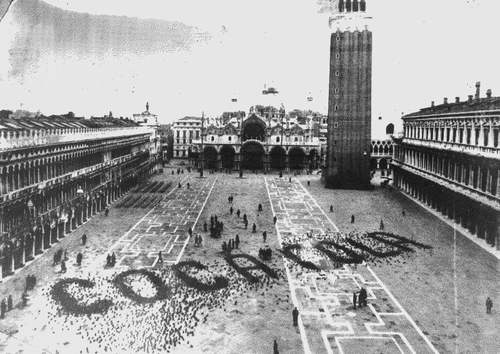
(329, 324)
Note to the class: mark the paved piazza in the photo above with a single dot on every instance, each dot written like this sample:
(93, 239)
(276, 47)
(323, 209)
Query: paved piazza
(323, 299)
(141, 305)
(165, 227)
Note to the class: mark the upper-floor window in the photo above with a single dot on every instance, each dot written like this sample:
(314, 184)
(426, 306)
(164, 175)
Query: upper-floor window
(212, 138)
(486, 133)
(178, 133)
(468, 136)
(197, 134)
(476, 140)
(277, 139)
(229, 138)
(296, 139)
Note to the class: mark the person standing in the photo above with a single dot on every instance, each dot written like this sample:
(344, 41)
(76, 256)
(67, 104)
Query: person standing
(79, 257)
(354, 299)
(275, 219)
(84, 239)
(237, 241)
(9, 303)
(352, 219)
(264, 236)
(295, 317)
(489, 305)
(275, 347)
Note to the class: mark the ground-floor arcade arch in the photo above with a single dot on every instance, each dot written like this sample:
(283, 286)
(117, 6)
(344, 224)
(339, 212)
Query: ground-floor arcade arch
(277, 158)
(227, 154)
(252, 154)
(210, 157)
(296, 158)
(314, 159)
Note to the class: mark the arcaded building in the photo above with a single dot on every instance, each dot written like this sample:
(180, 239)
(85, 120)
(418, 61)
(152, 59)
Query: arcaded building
(449, 159)
(349, 102)
(56, 172)
(268, 140)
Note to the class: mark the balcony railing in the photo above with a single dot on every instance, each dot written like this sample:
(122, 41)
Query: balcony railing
(476, 150)
(28, 138)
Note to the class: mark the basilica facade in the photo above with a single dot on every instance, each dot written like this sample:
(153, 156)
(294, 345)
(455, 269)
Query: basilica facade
(262, 141)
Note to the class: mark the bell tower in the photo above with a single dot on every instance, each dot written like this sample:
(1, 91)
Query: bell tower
(349, 100)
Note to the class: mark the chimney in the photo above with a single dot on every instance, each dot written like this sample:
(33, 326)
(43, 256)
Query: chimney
(432, 104)
(488, 93)
(457, 99)
(470, 99)
(445, 100)
(355, 5)
(478, 90)
(362, 5)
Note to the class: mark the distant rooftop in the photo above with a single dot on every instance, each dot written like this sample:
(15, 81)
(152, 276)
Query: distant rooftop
(473, 103)
(61, 122)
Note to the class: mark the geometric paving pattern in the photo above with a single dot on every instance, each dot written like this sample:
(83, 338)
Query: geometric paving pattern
(165, 227)
(328, 323)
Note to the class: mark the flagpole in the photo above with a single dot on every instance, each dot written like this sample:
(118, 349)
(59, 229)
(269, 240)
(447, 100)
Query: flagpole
(202, 148)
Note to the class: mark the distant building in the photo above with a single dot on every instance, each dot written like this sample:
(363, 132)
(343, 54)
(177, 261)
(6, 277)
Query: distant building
(265, 138)
(349, 102)
(185, 131)
(146, 118)
(166, 135)
(56, 172)
(449, 159)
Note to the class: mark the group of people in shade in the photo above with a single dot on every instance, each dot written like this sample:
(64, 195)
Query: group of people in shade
(359, 298)
(8, 303)
(61, 256)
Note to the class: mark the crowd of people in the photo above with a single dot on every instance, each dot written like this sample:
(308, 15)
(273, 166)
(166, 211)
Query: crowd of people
(265, 253)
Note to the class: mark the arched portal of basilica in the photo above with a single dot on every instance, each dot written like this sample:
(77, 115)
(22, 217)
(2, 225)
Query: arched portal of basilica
(254, 142)
(252, 153)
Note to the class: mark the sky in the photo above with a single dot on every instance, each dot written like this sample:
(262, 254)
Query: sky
(191, 56)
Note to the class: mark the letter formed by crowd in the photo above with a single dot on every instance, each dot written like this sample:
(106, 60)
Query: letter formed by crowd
(74, 306)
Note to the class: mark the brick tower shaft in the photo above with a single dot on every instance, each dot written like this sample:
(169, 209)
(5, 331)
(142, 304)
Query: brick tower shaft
(349, 102)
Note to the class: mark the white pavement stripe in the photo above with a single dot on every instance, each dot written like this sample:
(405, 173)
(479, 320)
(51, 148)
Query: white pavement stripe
(393, 298)
(305, 343)
(196, 221)
(298, 224)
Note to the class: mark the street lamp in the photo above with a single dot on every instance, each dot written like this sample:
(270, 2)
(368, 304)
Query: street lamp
(241, 145)
(201, 152)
